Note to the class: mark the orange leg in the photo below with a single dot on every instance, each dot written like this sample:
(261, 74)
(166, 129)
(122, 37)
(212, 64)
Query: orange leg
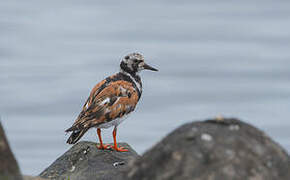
(121, 149)
(102, 146)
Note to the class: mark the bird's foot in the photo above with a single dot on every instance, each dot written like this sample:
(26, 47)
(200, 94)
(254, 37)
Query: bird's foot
(104, 146)
(120, 149)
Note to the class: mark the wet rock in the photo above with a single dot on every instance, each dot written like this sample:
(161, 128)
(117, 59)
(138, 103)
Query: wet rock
(9, 169)
(85, 162)
(221, 149)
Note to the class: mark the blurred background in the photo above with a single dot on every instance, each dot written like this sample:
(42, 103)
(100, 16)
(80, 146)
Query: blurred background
(227, 58)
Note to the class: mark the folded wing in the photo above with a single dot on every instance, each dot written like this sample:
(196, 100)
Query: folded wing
(117, 99)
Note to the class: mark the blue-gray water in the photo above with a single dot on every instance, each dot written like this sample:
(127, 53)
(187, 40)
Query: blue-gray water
(228, 58)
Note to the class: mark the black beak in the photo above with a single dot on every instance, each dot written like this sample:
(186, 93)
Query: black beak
(146, 66)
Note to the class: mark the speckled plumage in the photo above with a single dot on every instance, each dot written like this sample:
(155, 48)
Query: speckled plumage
(112, 99)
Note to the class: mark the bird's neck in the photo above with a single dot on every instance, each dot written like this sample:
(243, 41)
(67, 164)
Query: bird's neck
(134, 76)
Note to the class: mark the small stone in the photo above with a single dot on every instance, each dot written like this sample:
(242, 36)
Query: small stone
(206, 137)
(177, 156)
(118, 163)
(87, 150)
(72, 169)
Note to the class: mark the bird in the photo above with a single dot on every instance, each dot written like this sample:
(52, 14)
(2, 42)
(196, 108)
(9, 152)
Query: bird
(111, 101)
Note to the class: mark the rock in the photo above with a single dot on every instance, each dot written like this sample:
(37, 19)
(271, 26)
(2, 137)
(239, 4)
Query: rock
(221, 149)
(32, 178)
(9, 169)
(85, 162)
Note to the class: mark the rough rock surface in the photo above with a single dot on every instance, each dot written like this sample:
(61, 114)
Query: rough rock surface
(33, 178)
(221, 149)
(9, 169)
(85, 162)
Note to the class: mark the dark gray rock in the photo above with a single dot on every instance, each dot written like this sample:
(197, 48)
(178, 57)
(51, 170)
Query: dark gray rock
(33, 178)
(85, 162)
(223, 149)
(9, 169)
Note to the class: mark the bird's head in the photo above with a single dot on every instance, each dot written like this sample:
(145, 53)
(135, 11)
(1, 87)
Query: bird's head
(134, 63)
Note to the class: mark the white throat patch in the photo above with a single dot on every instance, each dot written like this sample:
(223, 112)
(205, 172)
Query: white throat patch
(133, 79)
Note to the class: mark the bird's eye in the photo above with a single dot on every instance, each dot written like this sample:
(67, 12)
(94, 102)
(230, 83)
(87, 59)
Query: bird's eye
(127, 57)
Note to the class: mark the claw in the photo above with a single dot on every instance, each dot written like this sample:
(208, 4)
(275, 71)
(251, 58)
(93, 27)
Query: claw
(120, 149)
(106, 146)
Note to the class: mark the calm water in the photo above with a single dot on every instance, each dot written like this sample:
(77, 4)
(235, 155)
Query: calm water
(230, 58)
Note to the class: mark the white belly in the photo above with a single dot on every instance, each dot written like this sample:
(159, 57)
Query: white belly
(114, 122)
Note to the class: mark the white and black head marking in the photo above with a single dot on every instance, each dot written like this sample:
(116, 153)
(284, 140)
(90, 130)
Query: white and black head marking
(134, 63)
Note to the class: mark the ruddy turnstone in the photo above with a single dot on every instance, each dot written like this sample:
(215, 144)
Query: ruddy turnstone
(111, 101)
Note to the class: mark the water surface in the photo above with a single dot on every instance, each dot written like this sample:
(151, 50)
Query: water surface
(215, 58)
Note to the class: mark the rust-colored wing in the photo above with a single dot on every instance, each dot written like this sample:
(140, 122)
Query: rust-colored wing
(107, 102)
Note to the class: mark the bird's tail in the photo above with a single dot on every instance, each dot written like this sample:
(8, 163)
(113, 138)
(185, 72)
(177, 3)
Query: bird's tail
(75, 135)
